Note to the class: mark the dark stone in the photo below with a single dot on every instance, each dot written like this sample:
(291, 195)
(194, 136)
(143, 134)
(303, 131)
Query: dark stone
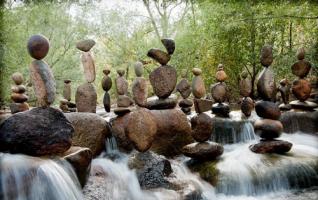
(202, 127)
(221, 109)
(118, 127)
(121, 111)
(159, 56)
(38, 46)
(85, 45)
(186, 111)
(268, 128)
(169, 45)
(301, 89)
(267, 110)
(284, 90)
(106, 83)
(123, 101)
(184, 88)
(18, 89)
(271, 146)
(163, 80)
(38, 132)
(19, 98)
(86, 98)
(266, 86)
(303, 105)
(247, 106)
(140, 91)
(185, 103)
(158, 104)
(266, 55)
(219, 92)
(203, 150)
(106, 102)
(301, 68)
(202, 105)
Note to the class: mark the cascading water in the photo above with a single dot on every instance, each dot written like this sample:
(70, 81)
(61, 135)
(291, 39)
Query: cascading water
(28, 178)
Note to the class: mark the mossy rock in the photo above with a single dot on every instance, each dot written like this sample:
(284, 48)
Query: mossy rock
(207, 170)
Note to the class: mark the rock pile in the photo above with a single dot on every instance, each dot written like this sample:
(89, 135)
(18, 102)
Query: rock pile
(247, 104)
(123, 100)
(184, 88)
(106, 85)
(18, 97)
(139, 86)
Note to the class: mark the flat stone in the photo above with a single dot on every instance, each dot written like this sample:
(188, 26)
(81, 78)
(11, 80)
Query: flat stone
(202, 127)
(37, 132)
(89, 67)
(219, 92)
(301, 88)
(121, 85)
(140, 91)
(121, 111)
(43, 82)
(163, 80)
(266, 55)
(19, 98)
(202, 105)
(267, 110)
(141, 129)
(160, 56)
(185, 103)
(184, 88)
(271, 146)
(198, 88)
(203, 150)
(106, 102)
(86, 98)
(19, 107)
(17, 78)
(38, 46)
(106, 83)
(247, 106)
(245, 87)
(266, 86)
(303, 105)
(18, 89)
(221, 109)
(169, 45)
(85, 45)
(268, 128)
(159, 104)
(301, 68)
(123, 101)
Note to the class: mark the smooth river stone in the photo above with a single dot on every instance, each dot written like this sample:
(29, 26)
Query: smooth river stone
(38, 46)
(140, 91)
(106, 83)
(245, 87)
(301, 68)
(158, 55)
(203, 150)
(86, 98)
(266, 86)
(161, 104)
(301, 89)
(121, 85)
(85, 45)
(106, 102)
(202, 105)
(247, 106)
(198, 88)
(19, 98)
(17, 78)
(169, 45)
(271, 146)
(267, 110)
(141, 129)
(163, 80)
(89, 67)
(220, 76)
(268, 128)
(219, 92)
(184, 88)
(139, 69)
(43, 82)
(221, 109)
(67, 90)
(202, 127)
(266, 55)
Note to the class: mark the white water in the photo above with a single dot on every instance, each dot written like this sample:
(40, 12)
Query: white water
(28, 178)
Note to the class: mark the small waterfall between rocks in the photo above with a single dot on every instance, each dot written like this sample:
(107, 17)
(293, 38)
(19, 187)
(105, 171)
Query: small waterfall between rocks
(29, 178)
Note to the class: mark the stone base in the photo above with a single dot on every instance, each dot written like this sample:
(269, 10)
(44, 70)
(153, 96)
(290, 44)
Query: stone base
(284, 107)
(303, 105)
(203, 150)
(161, 104)
(221, 109)
(271, 146)
(18, 107)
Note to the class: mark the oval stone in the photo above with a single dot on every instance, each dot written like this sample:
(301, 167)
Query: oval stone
(38, 46)
(247, 106)
(106, 83)
(245, 87)
(301, 89)
(219, 92)
(198, 88)
(85, 45)
(266, 86)
(140, 91)
(159, 56)
(17, 77)
(266, 55)
(301, 68)
(203, 150)
(268, 128)
(202, 127)
(267, 110)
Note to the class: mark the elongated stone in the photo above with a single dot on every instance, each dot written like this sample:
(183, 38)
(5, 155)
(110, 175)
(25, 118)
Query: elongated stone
(86, 98)
(245, 87)
(169, 45)
(247, 106)
(184, 88)
(38, 46)
(19, 98)
(266, 55)
(198, 88)
(106, 83)
(140, 91)
(266, 86)
(67, 92)
(160, 56)
(139, 69)
(121, 83)
(43, 82)
(89, 67)
(106, 102)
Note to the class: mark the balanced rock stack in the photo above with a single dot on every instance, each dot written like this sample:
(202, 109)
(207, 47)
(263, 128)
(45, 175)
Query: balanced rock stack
(284, 89)
(18, 96)
(139, 86)
(106, 85)
(219, 94)
(198, 91)
(65, 104)
(301, 87)
(247, 104)
(123, 101)
(184, 88)
(269, 127)
(86, 97)
(164, 78)
(41, 74)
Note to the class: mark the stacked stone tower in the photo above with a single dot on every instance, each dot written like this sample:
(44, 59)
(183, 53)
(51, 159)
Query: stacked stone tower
(18, 94)
(247, 104)
(139, 86)
(284, 89)
(184, 88)
(106, 85)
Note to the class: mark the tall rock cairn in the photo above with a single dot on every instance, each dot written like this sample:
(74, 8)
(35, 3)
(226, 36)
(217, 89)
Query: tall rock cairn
(86, 96)
(18, 94)
(184, 88)
(284, 89)
(41, 74)
(139, 86)
(301, 87)
(269, 127)
(106, 85)
(123, 100)
(247, 104)
(219, 94)
(164, 78)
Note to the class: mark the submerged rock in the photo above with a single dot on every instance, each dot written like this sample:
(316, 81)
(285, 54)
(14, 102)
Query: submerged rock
(271, 146)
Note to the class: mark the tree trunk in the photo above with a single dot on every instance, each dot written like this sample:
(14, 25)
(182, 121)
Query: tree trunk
(253, 56)
(1, 56)
(290, 36)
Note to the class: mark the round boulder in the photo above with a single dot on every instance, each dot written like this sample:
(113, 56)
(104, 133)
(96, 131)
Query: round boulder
(202, 127)
(267, 110)
(301, 89)
(268, 128)
(38, 46)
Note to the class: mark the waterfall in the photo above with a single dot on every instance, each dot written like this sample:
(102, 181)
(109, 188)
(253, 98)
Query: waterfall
(111, 145)
(29, 178)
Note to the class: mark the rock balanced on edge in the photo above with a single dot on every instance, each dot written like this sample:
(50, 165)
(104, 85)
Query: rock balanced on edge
(65, 104)
(123, 100)
(247, 104)
(139, 86)
(184, 88)
(106, 85)
(269, 127)
(284, 89)
(18, 97)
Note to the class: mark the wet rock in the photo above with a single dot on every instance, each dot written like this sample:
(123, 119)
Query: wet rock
(67, 90)
(267, 110)
(121, 111)
(140, 91)
(245, 87)
(198, 88)
(207, 170)
(19, 107)
(90, 131)
(266, 55)
(38, 46)
(89, 67)
(268, 129)
(106, 81)
(159, 104)
(85, 45)
(121, 83)
(202, 127)
(17, 78)
(306, 122)
(141, 129)
(266, 86)
(123, 101)
(221, 109)
(184, 88)
(272, 146)
(169, 45)
(80, 158)
(160, 56)
(43, 82)
(218, 92)
(301, 89)
(38, 132)
(151, 170)
(303, 105)
(86, 98)
(118, 127)
(301, 68)
(247, 106)
(203, 150)
(163, 80)
(185, 103)
(202, 105)
(106, 102)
